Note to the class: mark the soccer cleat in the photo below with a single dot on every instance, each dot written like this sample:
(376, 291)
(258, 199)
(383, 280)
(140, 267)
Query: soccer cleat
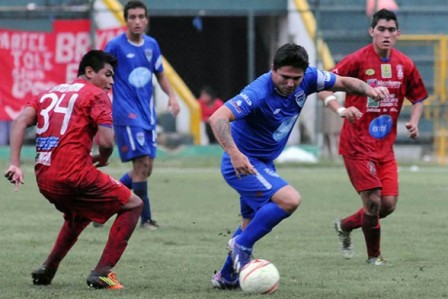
(220, 282)
(107, 281)
(377, 261)
(345, 240)
(240, 254)
(43, 275)
(150, 224)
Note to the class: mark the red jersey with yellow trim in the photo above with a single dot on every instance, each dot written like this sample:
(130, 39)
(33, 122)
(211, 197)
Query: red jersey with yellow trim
(373, 135)
(68, 116)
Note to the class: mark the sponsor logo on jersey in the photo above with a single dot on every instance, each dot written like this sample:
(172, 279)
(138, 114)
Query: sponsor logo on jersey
(386, 71)
(370, 72)
(381, 126)
(246, 98)
(130, 55)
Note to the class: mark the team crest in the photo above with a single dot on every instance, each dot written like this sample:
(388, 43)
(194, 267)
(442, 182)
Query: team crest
(372, 167)
(300, 98)
(148, 54)
(400, 72)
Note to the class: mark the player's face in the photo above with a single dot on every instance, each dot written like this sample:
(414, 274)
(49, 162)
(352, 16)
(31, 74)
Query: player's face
(384, 35)
(137, 21)
(104, 78)
(286, 79)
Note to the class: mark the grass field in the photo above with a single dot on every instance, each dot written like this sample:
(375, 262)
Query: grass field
(197, 211)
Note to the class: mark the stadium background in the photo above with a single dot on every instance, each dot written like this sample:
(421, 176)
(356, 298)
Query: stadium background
(226, 44)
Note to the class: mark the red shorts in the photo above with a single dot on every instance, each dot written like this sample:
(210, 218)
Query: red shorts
(372, 174)
(97, 200)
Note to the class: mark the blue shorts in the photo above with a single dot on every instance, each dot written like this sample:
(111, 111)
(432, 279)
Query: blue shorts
(255, 190)
(135, 142)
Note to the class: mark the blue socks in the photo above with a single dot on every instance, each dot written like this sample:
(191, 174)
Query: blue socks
(265, 219)
(141, 190)
(126, 180)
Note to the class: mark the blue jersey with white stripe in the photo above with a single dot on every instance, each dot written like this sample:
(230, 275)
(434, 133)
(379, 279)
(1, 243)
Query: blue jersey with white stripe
(265, 119)
(133, 103)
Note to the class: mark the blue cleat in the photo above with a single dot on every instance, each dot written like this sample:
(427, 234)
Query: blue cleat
(220, 282)
(240, 254)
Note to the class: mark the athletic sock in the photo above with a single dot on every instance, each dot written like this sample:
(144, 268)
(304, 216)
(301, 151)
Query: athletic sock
(141, 190)
(227, 270)
(67, 237)
(126, 180)
(265, 219)
(353, 221)
(119, 235)
(372, 233)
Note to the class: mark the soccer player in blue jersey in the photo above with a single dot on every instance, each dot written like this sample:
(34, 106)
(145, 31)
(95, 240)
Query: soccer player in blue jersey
(253, 128)
(134, 115)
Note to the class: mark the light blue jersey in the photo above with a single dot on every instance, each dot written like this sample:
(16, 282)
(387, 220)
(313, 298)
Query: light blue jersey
(133, 103)
(264, 118)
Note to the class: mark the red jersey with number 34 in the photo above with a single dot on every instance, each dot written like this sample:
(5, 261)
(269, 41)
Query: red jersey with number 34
(374, 134)
(68, 116)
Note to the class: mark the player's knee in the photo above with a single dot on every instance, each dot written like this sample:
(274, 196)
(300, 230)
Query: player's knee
(134, 202)
(292, 203)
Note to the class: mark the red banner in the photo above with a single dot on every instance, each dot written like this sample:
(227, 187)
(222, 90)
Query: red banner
(34, 61)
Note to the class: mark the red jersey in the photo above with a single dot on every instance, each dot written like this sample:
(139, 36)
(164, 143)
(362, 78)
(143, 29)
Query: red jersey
(207, 111)
(374, 134)
(68, 116)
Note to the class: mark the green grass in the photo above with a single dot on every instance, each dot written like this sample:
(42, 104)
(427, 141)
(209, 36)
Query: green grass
(197, 211)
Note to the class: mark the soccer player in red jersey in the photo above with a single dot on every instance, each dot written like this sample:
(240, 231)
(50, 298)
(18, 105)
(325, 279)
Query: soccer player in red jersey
(67, 117)
(370, 129)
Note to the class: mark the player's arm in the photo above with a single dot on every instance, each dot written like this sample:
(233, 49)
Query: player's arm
(105, 139)
(220, 124)
(26, 118)
(359, 87)
(412, 124)
(350, 85)
(173, 105)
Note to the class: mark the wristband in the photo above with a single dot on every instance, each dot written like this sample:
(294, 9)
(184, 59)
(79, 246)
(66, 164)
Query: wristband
(340, 111)
(329, 99)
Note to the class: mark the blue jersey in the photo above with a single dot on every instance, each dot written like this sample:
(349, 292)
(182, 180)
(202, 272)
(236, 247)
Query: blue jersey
(133, 103)
(264, 118)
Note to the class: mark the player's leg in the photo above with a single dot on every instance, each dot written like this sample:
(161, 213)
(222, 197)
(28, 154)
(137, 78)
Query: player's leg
(68, 235)
(119, 235)
(371, 227)
(142, 168)
(226, 278)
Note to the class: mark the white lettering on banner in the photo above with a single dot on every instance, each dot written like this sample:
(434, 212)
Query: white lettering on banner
(23, 41)
(71, 46)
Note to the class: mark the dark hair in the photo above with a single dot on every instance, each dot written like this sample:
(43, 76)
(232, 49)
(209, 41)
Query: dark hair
(96, 59)
(132, 5)
(208, 90)
(291, 55)
(383, 14)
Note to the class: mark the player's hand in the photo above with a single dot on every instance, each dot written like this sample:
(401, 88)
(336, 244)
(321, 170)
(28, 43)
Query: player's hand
(15, 175)
(173, 107)
(99, 161)
(352, 114)
(412, 130)
(380, 93)
(241, 164)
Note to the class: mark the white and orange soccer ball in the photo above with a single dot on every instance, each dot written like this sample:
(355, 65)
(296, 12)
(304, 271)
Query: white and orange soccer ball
(260, 277)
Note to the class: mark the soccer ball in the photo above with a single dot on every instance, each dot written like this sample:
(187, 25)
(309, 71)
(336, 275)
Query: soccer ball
(260, 277)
